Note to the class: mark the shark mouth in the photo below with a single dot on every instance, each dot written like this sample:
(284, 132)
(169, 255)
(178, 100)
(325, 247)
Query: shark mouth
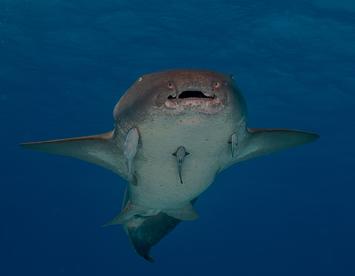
(195, 100)
(192, 94)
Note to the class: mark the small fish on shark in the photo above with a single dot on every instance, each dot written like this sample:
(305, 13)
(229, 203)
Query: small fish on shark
(180, 156)
(174, 132)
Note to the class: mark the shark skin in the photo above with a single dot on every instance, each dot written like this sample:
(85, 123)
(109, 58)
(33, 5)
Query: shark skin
(174, 132)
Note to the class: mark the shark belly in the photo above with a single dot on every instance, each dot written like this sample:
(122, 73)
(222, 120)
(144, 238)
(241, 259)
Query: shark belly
(158, 184)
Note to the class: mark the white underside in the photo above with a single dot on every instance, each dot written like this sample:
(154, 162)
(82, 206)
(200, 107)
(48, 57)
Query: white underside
(205, 137)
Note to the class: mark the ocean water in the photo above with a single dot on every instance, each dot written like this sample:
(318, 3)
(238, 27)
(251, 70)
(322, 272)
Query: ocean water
(63, 66)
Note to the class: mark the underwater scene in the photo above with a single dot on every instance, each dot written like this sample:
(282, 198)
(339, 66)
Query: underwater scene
(177, 137)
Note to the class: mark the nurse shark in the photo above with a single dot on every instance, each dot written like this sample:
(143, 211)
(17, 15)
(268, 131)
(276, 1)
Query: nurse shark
(174, 132)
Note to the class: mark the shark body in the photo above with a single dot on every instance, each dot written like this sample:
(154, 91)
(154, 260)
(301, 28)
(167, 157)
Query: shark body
(174, 132)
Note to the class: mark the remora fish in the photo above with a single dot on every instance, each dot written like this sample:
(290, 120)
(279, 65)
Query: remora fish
(174, 131)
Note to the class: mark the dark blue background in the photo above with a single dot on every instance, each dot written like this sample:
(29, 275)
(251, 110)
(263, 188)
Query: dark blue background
(63, 66)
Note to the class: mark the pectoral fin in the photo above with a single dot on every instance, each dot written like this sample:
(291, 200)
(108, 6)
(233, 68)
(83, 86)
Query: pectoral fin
(187, 212)
(265, 141)
(98, 149)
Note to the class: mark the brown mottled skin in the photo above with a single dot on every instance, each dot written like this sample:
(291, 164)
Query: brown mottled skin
(153, 90)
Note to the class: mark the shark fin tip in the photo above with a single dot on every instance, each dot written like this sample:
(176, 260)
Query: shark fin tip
(149, 258)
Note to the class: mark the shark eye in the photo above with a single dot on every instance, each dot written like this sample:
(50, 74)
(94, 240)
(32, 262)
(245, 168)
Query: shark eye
(170, 85)
(216, 84)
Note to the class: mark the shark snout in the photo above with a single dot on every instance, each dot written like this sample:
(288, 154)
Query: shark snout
(203, 97)
(193, 90)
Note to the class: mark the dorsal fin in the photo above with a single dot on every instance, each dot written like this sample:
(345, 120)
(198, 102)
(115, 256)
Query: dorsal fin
(99, 149)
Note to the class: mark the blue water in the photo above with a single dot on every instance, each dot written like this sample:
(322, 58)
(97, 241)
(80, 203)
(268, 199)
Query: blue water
(63, 66)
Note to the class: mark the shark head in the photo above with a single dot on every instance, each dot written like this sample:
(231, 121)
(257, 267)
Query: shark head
(179, 93)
